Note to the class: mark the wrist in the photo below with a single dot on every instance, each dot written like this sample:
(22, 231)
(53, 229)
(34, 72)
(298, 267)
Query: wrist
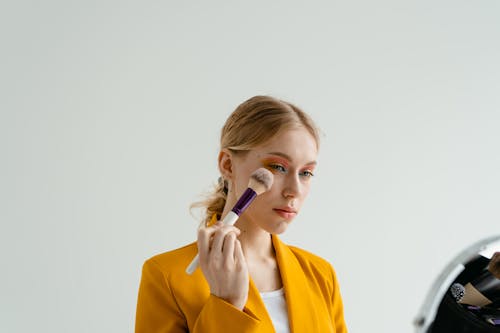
(237, 302)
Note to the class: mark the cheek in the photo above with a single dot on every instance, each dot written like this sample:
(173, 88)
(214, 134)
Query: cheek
(265, 197)
(239, 188)
(305, 190)
(258, 207)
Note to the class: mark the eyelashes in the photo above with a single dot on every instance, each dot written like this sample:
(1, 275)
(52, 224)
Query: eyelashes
(278, 168)
(307, 173)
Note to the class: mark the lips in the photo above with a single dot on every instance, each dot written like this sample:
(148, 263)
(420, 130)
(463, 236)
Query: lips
(285, 212)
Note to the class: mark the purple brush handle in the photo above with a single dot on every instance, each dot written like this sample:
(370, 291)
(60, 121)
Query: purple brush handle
(245, 200)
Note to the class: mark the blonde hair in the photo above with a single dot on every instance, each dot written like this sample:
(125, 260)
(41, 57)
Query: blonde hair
(251, 124)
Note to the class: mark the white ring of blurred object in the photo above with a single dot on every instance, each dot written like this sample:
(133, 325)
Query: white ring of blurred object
(486, 247)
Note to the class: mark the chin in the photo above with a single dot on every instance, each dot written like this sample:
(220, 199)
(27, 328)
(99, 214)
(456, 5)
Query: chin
(280, 228)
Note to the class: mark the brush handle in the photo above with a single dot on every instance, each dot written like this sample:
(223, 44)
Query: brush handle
(244, 201)
(229, 219)
(193, 265)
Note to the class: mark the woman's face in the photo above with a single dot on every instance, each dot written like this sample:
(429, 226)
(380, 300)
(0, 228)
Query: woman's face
(291, 157)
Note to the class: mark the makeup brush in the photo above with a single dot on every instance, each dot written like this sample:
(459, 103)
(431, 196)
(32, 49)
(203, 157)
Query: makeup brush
(260, 182)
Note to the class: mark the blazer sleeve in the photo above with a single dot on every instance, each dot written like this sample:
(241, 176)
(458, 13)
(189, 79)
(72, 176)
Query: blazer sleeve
(337, 308)
(158, 312)
(219, 316)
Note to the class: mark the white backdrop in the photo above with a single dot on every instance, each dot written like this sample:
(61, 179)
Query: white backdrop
(110, 115)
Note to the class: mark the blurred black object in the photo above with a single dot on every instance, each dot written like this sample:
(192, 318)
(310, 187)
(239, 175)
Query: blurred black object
(453, 317)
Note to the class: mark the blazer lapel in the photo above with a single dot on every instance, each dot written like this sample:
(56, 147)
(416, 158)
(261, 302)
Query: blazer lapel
(301, 314)
(256, 306)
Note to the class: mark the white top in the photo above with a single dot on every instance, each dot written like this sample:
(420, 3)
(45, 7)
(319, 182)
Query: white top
(276, 307)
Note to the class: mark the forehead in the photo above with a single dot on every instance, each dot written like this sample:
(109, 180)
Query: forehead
(298, 144)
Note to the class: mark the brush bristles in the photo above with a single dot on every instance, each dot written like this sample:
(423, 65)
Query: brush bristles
(261, 180)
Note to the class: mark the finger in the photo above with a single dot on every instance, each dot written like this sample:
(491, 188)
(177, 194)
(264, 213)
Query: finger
(238, 253)
(228, 248)
(205, 235)
(219, 236)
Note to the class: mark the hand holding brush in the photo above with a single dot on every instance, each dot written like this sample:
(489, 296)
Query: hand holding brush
(260, 181)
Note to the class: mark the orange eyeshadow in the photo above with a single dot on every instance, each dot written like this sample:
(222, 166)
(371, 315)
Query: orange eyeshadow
(309, 167)
(274, 160)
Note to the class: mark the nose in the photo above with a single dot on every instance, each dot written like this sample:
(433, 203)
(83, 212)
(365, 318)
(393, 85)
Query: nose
(292, 186)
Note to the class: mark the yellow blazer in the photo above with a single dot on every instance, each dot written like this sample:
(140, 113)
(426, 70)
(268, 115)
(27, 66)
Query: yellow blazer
(171, 301)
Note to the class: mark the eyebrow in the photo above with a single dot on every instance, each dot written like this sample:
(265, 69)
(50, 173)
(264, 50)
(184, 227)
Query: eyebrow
(285, 156)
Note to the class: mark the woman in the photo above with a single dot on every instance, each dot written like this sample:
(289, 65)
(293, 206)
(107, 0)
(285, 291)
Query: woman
(249, 280)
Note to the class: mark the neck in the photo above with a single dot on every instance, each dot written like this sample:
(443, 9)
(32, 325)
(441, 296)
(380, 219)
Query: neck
(260, 255)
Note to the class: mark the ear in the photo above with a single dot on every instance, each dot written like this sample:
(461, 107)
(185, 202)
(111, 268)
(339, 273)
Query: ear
(225, 163)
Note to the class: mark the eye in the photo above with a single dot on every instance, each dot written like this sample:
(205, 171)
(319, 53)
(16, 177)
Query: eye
(277, 167)
(306, 174)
